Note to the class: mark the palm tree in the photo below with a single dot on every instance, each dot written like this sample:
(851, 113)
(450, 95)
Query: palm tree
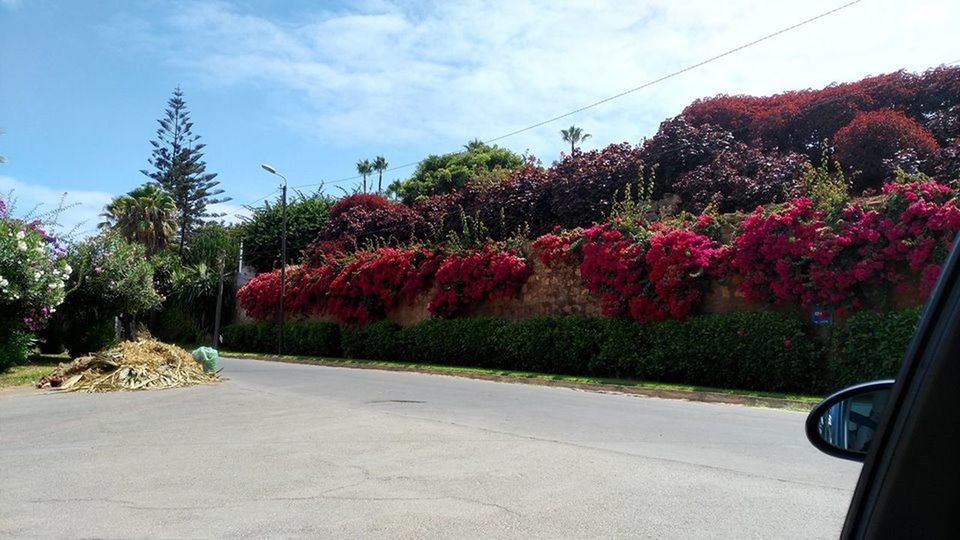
(146, 215)
(380, 164)
(574, 135)
(364, 167)
(474, 145)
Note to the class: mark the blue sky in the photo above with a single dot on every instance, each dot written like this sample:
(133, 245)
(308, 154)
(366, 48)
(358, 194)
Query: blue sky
(314, 86)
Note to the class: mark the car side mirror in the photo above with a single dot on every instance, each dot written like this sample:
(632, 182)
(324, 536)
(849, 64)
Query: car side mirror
(844, 424)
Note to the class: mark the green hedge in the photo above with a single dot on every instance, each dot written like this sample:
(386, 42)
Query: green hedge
(14, 344)
(869, 346)
(89, 335)
(314, 338)
(749, 350)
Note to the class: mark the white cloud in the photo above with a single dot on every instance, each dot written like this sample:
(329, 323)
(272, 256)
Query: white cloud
(406, 78)
(82, 207)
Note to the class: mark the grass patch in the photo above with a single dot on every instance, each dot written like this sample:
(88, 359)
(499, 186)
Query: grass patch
(30, 373)
(803, 401)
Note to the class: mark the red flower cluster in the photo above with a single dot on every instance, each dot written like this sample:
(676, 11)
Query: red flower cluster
(651, 275)
(773, 251)
(376, 282)
(794, 256)
(557, 247)
(365, 286)
(477, 276)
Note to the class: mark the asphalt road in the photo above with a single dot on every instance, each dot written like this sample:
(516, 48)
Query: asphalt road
(285, 450)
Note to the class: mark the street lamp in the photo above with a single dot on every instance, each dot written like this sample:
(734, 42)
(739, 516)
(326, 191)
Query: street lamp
(283, 251)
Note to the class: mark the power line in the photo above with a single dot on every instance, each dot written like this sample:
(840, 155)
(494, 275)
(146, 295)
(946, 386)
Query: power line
(634, 89)
(679, 71)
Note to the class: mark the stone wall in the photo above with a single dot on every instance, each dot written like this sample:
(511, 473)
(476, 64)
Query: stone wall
(559, 291)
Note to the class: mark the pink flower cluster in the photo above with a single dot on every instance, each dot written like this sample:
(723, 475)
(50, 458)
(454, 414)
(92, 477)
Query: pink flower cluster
(364, 286)
(794, 256)
(473, 277)
(657, 274)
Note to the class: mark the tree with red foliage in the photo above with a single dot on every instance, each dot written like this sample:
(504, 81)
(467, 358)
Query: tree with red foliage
(740, 179)
(680, 146)
(361, 218)
(864, 143)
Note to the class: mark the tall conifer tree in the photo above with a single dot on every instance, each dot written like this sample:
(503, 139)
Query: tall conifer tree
(178, 168)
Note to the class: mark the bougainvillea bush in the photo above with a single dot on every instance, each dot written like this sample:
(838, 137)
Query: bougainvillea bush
(477, 276)
(32, 276)
(645, 271)
(792, 255)
(365, 285)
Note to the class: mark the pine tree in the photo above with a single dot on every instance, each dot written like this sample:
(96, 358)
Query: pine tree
(179, 168)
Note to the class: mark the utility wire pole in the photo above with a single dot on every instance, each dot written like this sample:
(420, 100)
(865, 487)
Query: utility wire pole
(283, 253)
(216, 318)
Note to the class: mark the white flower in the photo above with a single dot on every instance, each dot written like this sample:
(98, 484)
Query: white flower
(67, 270)
(20, 235)
(37, 275)
(21, 245)
(3, 281)
(55, 285)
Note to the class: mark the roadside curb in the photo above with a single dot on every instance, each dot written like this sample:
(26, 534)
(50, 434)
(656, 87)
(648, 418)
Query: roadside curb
(662, 393)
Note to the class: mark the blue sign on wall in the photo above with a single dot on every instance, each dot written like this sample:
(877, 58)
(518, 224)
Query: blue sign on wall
(821, 315)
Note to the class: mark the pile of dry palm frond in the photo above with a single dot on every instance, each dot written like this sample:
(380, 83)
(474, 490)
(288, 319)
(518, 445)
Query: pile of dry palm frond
(145, 364)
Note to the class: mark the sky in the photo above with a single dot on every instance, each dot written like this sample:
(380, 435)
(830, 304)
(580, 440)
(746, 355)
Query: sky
(312, 87)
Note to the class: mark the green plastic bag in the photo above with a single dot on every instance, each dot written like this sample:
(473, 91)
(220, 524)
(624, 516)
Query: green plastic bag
(209, 358)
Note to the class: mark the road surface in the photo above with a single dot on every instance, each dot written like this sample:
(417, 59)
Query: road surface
(283, 450)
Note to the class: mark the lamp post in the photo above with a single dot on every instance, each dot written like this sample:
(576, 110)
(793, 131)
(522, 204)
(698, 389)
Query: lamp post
(283, 251)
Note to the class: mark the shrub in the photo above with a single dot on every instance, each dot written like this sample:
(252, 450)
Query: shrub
(32, 276)
(14, 343)
(740, 179)
(113, 279)
(89, 334)
(680, 146)
(312, 338)
(315, 338)
(174, 324)
(864, 143)
(649, 272)
(375, 341)
(306, 216)
(750, 350)
(772, 252)
(472, 277)
(869, 346)
(439, 174)
(362, 218)
(459, 342)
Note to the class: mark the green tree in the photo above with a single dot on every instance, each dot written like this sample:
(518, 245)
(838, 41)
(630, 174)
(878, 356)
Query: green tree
(111, 278)
(450, 172)
(574, 136)
(365, 168)
(380, 165)
(178, 168)
(147, 215)
(306, 216)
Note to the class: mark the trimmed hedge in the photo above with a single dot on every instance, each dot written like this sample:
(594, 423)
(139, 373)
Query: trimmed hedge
(870, 346)
(312, 338)
(749, 350)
